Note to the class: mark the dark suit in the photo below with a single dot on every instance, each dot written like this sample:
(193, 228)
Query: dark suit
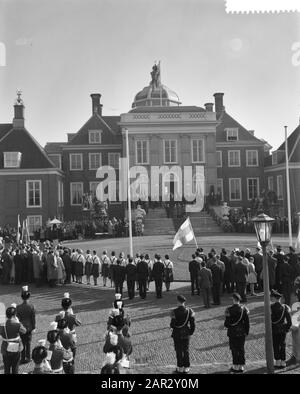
(119, 277)
(26, 315)
(281, 323)
(158, 275)
(183, 325)
(194, 269)
(217, 276)
(142, 272)
(205, 276)
(241, 273)
(130, 272)
(286, 280)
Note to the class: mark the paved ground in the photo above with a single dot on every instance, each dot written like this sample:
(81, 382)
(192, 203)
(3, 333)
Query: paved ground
(153, 348)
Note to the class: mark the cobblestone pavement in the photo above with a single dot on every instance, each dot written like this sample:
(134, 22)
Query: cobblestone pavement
(153, 347)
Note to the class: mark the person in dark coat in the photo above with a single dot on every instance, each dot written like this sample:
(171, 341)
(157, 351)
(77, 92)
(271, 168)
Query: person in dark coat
(237, 324)
(142, 272)
(11, 346)
(194, 269)
(228, 282)
(30, 275)
(272, 263)
(119, 277)
(217, 276)
(293, 260)
(279, 257)
(26, 315)
(205, 282)
(18, 267)
(286, 280)
(66, 258)
(7, 265)
(241, 273)
(158, 276)
(130, 272)
(183, 326)
(281, 324)
(258, 264)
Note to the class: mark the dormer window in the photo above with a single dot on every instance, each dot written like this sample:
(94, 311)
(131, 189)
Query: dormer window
(95, 136)
(12, 159)
(232, 134)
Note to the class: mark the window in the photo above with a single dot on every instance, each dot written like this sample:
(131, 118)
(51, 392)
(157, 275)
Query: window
(270, 183)
(279, 187)
(56, 159)
(34, 223)
(94, 161)
(170, 151)
(76, 193)
(234, 158)
(94, 136)
(34, 194)
(93, 187)
(12, 159)
(113, 159)
(75, 161)
(252, 188)
(251, 158)
(142, 151)
(219, 158)
(198, 151)
(235, 189)
(232, 134)
(60, 194)
(220, 189)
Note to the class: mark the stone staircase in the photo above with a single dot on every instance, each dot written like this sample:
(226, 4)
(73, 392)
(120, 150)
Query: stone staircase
(157, 222)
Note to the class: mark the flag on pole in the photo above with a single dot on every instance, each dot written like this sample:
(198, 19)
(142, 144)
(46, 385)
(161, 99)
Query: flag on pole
(23, 232)
(27, 231)
(18, 230)
(184, 235)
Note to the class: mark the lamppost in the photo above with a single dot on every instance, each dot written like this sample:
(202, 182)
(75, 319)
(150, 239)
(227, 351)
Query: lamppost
(263, 227)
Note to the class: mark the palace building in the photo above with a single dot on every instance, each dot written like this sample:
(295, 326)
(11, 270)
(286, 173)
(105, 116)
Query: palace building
(43, 183)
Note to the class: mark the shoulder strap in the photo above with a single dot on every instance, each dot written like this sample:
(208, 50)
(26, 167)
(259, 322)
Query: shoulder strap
(186, 320)
(276, 322)
(240, 318)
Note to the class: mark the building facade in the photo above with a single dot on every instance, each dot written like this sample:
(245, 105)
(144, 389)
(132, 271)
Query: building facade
(30, 184)
(275, 174)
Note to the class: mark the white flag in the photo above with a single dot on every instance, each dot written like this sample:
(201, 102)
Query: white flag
(184, 235)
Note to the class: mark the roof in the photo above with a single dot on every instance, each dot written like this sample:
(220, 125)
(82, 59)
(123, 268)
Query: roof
(54, 147)
(108, 125)
(293, 149)
(227, 121)
(4, 129)
(33, 155)
(179, 108)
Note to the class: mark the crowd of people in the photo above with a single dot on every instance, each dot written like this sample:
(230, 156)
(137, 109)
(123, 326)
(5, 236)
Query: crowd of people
(242, 271)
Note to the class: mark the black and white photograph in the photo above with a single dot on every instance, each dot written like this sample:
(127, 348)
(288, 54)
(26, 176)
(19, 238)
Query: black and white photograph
(149, 190)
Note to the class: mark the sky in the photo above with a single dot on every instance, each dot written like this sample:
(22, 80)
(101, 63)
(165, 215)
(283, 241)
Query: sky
(60, 52)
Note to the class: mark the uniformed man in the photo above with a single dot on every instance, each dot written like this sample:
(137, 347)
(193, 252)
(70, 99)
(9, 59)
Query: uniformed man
(183, 325)
(68, 314)
(69, 345)
(237, 324)
(281, 324)
(26, 316)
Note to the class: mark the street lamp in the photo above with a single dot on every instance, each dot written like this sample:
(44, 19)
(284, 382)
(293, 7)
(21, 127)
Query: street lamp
(263, 227)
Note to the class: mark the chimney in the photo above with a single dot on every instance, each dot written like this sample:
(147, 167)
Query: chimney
(209, 107)
(219, 107)
(18, 121)
(96, 106)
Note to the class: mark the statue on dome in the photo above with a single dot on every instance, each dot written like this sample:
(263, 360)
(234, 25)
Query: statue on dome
(155, 75)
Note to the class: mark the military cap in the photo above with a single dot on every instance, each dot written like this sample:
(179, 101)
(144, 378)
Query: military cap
(237, 297)
(275, 294)
(181, 298)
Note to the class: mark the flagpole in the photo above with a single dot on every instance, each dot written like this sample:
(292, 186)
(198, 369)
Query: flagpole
(288, 189)
(18, 230)
(129, 196)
